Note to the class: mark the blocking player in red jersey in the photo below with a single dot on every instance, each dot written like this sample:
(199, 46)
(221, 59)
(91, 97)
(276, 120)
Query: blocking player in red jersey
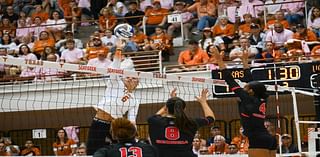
(124, 132)
(172, 132)
(252, 110)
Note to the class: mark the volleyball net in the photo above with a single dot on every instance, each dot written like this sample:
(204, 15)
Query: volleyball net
(39, 97)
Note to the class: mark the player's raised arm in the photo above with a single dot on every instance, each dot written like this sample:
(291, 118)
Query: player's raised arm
(202, 99)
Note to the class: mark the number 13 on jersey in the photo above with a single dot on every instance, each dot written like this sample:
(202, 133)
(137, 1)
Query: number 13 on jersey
(131, 152)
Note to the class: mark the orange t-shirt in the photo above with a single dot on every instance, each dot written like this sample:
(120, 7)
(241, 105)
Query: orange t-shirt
(227, 31)
(209, 9)
(242, 143)
(111, 21)
(43, 15)
(39, 45)
(162, 40)
(316, 51)
(199, 57)
(11, 30)
(64, 4)
(156, 16)
(139, 39)
(68, 13)
(285, 24)
(65, 149)
(310, 36)
(34, 151)
(213, 149)
(245, 28)
(92, 52)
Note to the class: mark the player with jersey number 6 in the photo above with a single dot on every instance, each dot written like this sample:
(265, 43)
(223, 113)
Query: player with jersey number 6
(118, 101)
(172, 132)
(124, 132)
(252, 109)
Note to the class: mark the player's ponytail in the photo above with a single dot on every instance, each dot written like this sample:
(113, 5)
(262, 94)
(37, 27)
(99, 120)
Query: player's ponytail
(176, 107)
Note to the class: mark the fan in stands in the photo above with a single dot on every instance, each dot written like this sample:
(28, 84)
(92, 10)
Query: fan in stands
(123, 31)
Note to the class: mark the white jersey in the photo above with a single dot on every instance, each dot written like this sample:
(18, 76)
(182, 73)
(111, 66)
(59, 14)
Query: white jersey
(116, 100)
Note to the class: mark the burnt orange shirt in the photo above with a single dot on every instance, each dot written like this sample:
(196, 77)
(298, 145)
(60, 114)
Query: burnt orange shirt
(242, 143)
(228, 30)
(139, 39)
(39, 45)
(111, 21)
(316, 52)
(214, 149)
(209, 9)
(245, 28)
(64, 149)
(92, 52)
(310, 36)
(285, 24)
(9, 2)
(68, 14)
(64, 4)
(199, 57)
(34, 151)
(162, 41)
(43, 15)
(156, 16)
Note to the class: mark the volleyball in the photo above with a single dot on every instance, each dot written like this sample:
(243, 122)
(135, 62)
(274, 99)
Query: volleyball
(123, 30)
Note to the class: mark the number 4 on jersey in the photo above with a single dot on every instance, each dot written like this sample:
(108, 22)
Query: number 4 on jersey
(135, 151)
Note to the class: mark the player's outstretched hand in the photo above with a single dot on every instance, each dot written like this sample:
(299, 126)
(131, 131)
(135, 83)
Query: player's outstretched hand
(245, 59)
(130, 83)
(173, 93)
(204, 94)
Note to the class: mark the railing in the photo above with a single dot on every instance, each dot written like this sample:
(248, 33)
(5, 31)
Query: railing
(146, 60)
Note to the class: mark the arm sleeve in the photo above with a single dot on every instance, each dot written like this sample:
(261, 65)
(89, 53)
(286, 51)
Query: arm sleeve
(98, 132)
(204, 121)
(226, 75)
(248, 75)
(133, 111)
(103, 152)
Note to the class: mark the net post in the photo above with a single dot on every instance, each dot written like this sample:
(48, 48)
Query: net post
(296, 118)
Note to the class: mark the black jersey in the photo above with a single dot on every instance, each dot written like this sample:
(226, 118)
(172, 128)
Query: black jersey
(127, 149)
(170, 141)
(251, 109)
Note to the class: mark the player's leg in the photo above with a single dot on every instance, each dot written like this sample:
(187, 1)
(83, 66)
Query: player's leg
(99, 132)
(272, 153)
(260, 145)
(258, 152)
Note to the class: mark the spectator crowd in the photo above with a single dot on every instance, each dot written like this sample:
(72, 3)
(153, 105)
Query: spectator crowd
(47, 30)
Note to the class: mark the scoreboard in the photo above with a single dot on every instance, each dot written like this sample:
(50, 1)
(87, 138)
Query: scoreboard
(300, 75)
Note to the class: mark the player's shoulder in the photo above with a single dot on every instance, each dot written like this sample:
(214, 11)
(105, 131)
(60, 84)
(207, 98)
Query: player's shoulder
(147, 149)
(103, 152)
(155, 118)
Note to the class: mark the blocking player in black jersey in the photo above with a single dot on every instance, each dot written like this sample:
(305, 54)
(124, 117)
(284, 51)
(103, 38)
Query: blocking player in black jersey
(124, 132)
(252, 109)
(172, 132)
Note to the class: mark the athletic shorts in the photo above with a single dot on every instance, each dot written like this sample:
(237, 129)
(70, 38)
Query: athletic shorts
(263, 141)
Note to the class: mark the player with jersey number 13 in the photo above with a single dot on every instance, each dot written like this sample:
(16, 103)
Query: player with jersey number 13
(172, 132)
(124, 132)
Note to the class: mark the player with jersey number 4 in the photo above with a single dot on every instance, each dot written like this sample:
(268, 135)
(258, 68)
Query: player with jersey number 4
(252, 109)
(172, 132)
